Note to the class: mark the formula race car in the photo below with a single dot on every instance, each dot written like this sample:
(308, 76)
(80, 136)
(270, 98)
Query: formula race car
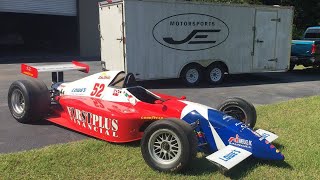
(111, 106)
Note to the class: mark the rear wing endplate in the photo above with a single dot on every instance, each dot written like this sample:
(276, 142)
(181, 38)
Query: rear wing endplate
(57, 70)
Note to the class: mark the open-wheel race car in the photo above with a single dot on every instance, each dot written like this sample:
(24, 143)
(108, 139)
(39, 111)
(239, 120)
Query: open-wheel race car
(111, 106)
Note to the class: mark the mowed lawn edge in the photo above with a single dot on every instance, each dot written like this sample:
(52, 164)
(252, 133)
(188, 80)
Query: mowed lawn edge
(296, 122)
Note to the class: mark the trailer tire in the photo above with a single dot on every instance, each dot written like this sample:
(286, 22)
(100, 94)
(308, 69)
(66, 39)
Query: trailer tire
(28, 100)
(169, 145)
(239, 109)
(192, 74)
(215, 73)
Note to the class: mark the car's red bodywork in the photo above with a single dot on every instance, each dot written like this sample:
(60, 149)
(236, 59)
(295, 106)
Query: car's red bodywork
(112, 121)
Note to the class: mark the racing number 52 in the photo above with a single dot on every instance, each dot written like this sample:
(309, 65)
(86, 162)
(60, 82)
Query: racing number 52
(97, 90)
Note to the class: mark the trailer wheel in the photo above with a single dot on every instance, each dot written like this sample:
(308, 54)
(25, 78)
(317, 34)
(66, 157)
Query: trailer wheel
(215, 73)
(28, 100)
(169, 145)
(192, 74)
(239, 109)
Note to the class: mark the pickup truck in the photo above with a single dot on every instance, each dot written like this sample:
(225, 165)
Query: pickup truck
(306, 51)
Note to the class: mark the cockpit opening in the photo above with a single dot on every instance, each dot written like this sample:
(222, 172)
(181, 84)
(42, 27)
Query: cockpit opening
(143, 95)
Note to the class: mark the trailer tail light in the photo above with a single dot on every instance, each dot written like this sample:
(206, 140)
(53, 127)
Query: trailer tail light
(313, 49)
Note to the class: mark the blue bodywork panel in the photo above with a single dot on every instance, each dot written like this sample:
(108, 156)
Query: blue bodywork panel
(230, 131)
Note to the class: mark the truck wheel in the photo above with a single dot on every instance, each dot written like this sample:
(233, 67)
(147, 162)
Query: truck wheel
(192, 74)
(239, 109)
(168, 145)
(28, 100)
(215, 73)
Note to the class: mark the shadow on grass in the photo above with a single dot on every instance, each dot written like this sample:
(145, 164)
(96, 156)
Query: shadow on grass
(201, 166)
(279, 146)
(242, 169)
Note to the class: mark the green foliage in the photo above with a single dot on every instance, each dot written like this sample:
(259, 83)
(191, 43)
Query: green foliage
(307, 13)
(297, 33)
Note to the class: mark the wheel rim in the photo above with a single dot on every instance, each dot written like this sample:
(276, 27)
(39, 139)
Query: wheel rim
(17, 101)
(236, 112)
(164, 146)
(215, 74)
(192, 75)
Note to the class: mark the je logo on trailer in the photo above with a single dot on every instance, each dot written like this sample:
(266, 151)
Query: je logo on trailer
(193, 34)
(190, 32)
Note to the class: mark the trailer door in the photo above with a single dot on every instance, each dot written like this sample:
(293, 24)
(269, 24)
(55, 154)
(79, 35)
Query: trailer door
(112, 36)
(265, 40)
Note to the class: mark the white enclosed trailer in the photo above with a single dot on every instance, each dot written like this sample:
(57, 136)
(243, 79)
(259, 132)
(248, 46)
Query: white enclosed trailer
(171, 39)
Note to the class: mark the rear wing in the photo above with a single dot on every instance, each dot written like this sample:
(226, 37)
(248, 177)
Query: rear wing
(57, 70)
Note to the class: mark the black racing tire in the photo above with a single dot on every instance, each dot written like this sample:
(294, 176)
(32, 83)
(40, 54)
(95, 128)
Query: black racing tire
(215, 73)
(192, 74)
(28, 100)
(179, 140)
(239, 109)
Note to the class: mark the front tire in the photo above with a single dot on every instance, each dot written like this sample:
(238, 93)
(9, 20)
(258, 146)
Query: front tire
(28, 101)
(169, 145)
(239, 109)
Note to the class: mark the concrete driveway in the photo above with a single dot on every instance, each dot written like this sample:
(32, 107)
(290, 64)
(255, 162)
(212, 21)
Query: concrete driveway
(263, 88)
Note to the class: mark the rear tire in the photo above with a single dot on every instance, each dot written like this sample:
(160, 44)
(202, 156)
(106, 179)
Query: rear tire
(239, 109)
(169, 145)
(28, 100)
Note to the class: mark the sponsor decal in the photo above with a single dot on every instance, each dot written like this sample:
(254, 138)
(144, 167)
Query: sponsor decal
(116, 92)
(79, 90)
(97, 90)
(190, 32)
(28, 70)
(264, 136)
(240, 142)
(243, 126)
(28, 73)
(199, 134)
(227, 118)
(231, 155)
(94, 122)
(104, 76)
(152, 117)
(97, 102)
(130, 98)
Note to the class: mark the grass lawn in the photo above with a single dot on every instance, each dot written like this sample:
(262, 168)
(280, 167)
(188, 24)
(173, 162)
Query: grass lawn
(296, 122)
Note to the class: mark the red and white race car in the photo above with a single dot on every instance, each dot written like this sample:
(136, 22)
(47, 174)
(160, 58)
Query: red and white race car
(111, 106)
